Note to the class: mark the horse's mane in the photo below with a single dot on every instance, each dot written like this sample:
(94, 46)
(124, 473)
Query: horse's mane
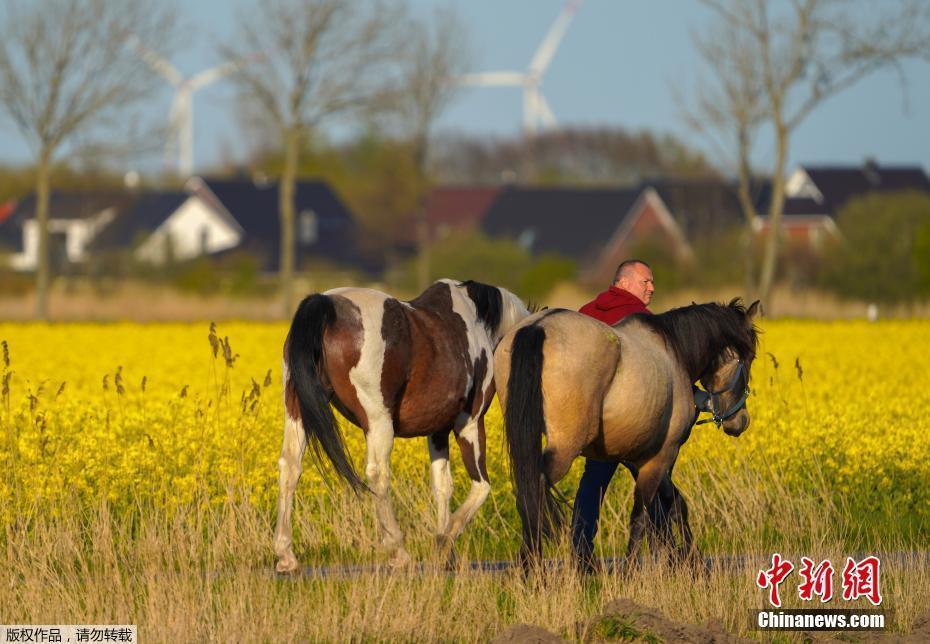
(488, 301)
(699, 334)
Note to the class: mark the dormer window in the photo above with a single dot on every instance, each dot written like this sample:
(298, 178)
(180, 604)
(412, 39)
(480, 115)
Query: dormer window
(308, 227)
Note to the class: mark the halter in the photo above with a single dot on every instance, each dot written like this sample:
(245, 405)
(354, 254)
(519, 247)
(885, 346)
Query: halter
(718, 418)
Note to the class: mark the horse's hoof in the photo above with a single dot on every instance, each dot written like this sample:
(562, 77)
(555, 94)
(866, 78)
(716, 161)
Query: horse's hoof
(400, 560)
(287, 566)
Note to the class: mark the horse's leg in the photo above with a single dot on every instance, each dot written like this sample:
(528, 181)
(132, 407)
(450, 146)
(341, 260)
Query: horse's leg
(648, 481)
(689, 550)
(441, 480)
(289, 470)
(380, 441)
(663, 514)
(471, 440)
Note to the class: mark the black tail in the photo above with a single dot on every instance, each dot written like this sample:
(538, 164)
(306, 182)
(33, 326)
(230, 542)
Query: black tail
(525, 425)
(304, 361)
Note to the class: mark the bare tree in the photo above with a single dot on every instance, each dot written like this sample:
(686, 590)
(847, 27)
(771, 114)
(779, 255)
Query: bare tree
(321, 59)
(436, 54)
(773, 63)
(68, 84)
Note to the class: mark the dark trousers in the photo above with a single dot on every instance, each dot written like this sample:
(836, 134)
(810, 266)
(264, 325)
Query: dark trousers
(588, 500)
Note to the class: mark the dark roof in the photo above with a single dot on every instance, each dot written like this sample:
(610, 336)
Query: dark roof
(255, 207)
(575, 223)
(702, 206)
(71, 205)
(139, 220)
(839, 184)
(61, 205)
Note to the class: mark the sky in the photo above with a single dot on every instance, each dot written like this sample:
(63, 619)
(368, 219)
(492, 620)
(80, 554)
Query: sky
(621, 62)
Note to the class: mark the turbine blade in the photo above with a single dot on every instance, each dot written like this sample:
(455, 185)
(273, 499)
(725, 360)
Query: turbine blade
(211, 75)
(490, 79)
(156, 62)
(550, 43)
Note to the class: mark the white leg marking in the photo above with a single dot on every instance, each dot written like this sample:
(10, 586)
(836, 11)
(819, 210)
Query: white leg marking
(378, 470)
(480, 487)
(289, 470)
(366, 378)
(441, 477)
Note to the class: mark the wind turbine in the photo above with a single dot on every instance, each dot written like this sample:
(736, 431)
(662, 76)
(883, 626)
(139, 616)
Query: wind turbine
(181, 117)
(536, 110)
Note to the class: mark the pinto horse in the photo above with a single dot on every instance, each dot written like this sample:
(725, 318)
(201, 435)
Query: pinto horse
(617, 393)
(405, 369)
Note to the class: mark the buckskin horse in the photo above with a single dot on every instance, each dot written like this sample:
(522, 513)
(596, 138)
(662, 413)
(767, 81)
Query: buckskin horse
(616, 393)
(405, 369)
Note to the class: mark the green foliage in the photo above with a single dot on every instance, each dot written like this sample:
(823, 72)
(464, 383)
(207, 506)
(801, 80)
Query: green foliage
(615, 628)
(718, 261)
(500, 262)
(884, 255)
(544, 274)
(197, 276)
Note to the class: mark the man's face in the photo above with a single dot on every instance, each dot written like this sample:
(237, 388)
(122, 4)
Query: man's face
(638, 281)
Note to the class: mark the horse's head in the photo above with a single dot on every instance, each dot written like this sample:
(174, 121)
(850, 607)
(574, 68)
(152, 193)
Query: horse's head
(726, 379)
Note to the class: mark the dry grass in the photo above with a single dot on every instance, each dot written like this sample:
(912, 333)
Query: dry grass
(205, 572)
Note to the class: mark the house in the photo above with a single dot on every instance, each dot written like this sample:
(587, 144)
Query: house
(451, 209)
(207, 217)
(170, 224)
(596, 227)
(704, 208)
(815, 194)
(75, 218)
(325, 229)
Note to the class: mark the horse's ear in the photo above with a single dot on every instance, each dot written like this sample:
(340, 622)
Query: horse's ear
(754, 310)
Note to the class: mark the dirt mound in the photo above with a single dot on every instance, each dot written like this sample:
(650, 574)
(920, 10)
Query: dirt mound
(527, 634)
(625, 619)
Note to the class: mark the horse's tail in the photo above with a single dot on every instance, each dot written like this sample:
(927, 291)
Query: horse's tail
(305, 363)
(525, 425)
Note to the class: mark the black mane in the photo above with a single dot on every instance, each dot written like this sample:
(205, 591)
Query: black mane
(488, 301)
(700, 333)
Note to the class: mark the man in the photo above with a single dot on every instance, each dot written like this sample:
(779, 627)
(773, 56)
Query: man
(630, 292)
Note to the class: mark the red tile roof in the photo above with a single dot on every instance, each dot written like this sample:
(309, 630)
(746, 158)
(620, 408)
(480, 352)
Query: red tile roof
(6, 209)
(458, 207)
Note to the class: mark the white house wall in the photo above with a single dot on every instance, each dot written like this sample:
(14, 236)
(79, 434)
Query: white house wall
(78, 233)
(799, 184)
(186, 228)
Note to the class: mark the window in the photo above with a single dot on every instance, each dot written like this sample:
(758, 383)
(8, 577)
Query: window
(308, 227)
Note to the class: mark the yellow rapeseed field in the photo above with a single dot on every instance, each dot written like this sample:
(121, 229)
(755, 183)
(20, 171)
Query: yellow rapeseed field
(163, 414)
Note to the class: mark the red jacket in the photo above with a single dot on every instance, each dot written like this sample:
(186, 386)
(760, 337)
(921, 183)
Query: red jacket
(613, 305)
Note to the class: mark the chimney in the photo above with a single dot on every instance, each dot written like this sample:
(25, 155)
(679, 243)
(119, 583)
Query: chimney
(870, 170)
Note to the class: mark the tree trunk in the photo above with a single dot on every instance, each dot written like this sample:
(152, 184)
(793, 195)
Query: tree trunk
(776, 206)
(42, 260)
(744, 193)
(423, 258)
(286, 210)
(422, 222)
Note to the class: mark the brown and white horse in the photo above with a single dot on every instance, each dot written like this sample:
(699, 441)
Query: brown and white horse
(405, 369)
(616, 393)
